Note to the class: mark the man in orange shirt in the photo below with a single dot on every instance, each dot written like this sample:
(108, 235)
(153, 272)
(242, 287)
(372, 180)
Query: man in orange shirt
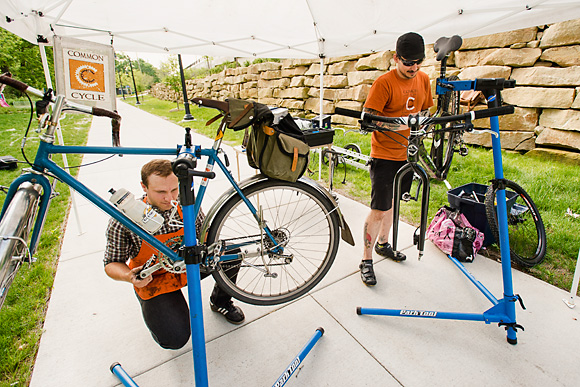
(402, 91)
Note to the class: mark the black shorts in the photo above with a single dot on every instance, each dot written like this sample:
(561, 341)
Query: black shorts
(382, 182)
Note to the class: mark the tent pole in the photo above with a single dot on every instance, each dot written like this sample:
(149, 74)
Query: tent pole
(59, 133)
(320, 114)
(321, 89)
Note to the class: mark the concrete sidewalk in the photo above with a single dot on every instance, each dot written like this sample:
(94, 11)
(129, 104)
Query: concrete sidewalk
(93, 321)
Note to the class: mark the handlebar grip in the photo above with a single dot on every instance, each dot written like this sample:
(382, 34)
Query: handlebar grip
(97, 111)
(21, 86)
(498, 111)
(348, 113)
(209, 175)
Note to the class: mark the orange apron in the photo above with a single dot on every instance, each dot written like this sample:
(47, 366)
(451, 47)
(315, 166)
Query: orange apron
(163, 281)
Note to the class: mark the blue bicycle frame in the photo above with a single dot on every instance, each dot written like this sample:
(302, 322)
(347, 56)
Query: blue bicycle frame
(503, 310)
(43, 164)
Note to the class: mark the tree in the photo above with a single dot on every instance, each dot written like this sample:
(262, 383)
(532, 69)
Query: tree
(22, 59)
(144, 72)
(148, 69)
(171, 77)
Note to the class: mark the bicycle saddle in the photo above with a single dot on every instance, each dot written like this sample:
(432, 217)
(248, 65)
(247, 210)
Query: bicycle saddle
(443, 46)
(211, 103)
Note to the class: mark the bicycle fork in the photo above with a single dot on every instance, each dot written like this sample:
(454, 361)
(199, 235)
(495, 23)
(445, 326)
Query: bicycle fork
(425, 184)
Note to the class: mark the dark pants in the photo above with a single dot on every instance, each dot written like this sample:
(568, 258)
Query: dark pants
(167, 315)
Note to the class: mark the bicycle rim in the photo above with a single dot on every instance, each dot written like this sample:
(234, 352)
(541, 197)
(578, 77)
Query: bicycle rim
(441, 151)
(300, 218)
(527, 235)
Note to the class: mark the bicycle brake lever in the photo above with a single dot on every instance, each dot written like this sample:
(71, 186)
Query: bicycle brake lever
(485, 131)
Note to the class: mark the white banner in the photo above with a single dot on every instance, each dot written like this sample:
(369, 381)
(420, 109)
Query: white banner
(85, 72)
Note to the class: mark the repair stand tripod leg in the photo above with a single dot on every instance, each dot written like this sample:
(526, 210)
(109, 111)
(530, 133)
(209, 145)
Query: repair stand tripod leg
(293, 366)
(123, 376)
(419, 171)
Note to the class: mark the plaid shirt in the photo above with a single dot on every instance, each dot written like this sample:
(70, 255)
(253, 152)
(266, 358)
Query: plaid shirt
(123, 244)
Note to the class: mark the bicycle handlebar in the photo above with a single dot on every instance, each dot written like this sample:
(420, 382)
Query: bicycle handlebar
(96, 111)
(473, 115)
(20, 86)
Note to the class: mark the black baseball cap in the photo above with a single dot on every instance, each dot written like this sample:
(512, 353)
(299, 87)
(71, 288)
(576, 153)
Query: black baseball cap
(410, 46)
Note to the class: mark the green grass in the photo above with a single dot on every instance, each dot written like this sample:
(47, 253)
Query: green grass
(554, 186)
(22, 316)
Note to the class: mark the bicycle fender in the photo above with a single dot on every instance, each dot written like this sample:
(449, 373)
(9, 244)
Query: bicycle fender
(346, 234)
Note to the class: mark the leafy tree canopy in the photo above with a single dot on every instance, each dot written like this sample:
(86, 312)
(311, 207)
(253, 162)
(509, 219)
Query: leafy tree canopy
(22, 59)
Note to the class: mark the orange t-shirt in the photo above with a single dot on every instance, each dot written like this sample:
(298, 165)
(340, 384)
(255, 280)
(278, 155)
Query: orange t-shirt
(394, 96)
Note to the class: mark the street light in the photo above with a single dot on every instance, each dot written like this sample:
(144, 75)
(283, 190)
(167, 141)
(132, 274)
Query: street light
(134, 84)
(188, 116)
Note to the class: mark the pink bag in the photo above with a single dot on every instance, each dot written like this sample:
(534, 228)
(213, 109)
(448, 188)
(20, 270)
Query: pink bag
(451, 232)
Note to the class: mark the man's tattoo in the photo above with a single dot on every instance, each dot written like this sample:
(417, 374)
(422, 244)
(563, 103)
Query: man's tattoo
(367, 237)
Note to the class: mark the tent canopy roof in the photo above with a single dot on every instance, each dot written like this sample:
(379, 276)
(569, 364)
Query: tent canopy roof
(272, 28)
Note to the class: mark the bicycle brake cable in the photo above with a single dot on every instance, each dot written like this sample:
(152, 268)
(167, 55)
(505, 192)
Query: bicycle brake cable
(23, 143)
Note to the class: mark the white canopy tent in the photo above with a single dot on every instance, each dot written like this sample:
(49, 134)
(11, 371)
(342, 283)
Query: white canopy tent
(271, 28)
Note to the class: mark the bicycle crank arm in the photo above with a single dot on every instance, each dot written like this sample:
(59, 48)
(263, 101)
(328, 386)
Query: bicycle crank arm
(149, 270)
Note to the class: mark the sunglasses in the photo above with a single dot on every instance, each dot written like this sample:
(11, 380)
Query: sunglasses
(410, 63)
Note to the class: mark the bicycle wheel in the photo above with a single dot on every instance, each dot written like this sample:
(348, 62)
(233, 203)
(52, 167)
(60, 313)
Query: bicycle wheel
(301, 220)
(15, 227)
(527, 235)
(352, 148)
(443, 145)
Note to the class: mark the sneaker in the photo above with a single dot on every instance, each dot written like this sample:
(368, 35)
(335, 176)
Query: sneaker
(231, 312)
(367, 274)
(387, 251)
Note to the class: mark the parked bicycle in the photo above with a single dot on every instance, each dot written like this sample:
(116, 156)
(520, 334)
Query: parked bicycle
(283, 235)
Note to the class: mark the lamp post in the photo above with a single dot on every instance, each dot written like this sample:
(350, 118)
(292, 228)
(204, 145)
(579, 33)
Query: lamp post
(188, 116)
(134, 84)
(122, 87)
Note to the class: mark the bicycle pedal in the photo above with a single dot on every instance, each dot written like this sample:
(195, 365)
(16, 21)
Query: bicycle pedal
(407, 197)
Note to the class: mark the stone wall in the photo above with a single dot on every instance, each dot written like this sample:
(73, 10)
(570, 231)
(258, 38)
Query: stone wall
(544, 61)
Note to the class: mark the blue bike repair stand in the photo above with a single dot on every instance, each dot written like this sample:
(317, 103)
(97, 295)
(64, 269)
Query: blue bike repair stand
(503, 310)
(184, 169)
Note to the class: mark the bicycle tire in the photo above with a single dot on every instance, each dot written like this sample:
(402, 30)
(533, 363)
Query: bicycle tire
(442, 147)
(15, 228)
(352, 148)
(301, 218)
(527, 234)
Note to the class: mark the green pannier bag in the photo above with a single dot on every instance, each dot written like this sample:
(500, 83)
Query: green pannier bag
(278, 151)
(241, 113)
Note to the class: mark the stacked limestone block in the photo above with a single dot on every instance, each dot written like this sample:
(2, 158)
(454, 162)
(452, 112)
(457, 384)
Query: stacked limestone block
(544, 61)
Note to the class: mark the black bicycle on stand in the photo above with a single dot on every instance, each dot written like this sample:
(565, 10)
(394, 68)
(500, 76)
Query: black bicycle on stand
(434, 146)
